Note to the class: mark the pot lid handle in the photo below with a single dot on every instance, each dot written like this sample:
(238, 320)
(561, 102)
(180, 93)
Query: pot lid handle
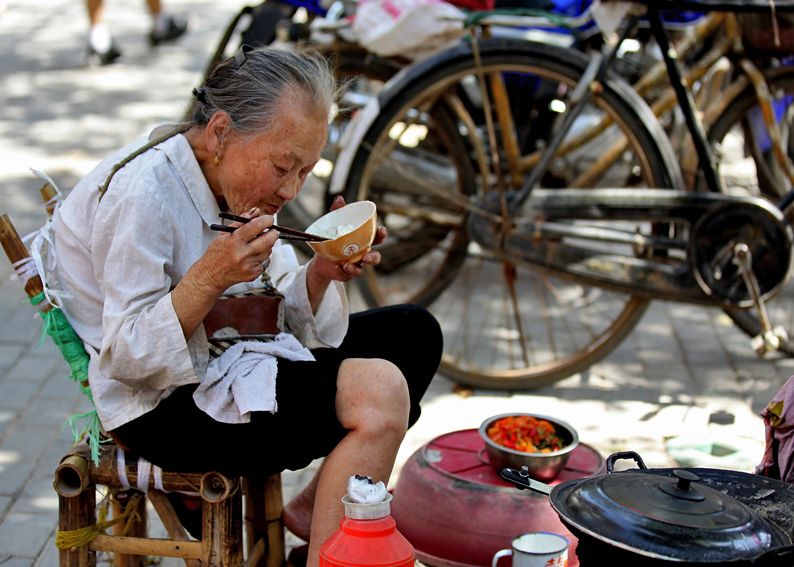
(624, 455)
(682, 488)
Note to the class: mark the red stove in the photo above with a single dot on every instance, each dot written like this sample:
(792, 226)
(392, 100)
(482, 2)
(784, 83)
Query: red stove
(456, 510)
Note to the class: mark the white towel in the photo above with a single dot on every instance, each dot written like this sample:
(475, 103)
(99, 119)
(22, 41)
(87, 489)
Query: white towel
(243, 379)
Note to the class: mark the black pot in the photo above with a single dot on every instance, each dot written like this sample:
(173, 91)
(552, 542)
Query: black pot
(663, 516)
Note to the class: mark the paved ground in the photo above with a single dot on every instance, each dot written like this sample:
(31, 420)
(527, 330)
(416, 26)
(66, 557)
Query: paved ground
(681, 365)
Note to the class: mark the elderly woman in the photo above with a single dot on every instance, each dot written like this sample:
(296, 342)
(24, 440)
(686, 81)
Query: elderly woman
(141, 269)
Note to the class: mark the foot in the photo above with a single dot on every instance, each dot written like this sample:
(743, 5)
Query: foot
(174, 28)
(298, 515)
(105, 57)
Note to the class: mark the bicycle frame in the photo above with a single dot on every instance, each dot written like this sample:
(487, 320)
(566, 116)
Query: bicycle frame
(720, 27)
(707, 167)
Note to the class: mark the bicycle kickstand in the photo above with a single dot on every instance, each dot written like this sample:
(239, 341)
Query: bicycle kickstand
(770, 339)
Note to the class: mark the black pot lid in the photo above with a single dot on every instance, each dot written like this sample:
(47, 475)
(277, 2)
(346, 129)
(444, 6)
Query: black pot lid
(667, 515)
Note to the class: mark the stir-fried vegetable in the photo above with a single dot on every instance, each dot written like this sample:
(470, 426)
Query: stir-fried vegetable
(525, 433)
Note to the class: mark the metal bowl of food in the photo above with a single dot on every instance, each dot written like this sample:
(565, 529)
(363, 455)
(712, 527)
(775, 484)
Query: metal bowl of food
(539, 442)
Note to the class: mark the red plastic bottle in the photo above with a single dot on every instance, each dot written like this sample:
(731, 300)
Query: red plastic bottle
(367, 536)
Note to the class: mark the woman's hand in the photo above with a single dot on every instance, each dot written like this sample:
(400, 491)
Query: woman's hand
(237, 257)
(230, 259)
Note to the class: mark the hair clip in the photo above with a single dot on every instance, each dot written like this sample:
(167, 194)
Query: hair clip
(241, 55)
(200, 94)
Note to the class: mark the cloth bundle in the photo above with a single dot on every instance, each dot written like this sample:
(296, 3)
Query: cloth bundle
(778, 460)
(409, 28)
(243, 379)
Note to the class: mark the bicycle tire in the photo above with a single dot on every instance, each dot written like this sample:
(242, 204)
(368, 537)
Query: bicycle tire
(402, 100)
(752, 171)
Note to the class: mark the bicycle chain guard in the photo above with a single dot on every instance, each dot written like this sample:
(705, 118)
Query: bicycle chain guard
(685, 253)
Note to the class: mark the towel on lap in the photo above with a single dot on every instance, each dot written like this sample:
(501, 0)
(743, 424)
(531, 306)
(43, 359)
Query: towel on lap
(243, 379)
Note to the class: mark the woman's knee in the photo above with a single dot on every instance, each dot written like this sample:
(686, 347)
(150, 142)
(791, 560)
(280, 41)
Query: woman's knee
(372, 391)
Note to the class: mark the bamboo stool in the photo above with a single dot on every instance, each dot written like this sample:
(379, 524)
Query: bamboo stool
(222, 498)
(221, 545)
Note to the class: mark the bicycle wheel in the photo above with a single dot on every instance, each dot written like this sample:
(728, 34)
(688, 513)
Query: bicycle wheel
(747, 164)
(426, 156)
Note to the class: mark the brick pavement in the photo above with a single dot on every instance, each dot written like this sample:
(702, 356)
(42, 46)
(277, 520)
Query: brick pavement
(680, 365)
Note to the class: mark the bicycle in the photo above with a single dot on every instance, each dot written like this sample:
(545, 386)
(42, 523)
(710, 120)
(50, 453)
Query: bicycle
(572, 274)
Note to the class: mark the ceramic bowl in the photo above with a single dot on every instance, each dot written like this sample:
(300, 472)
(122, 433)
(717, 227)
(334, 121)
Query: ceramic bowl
(541, 466)
(349, 247)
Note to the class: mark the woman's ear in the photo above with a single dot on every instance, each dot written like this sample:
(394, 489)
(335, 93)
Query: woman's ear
(216, 131)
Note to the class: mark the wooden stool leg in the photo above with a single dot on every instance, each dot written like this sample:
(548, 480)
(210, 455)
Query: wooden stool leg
(165, 511)
(74, 513)
(137, 526)
(255, 521)
(274, 516)
(222, 516)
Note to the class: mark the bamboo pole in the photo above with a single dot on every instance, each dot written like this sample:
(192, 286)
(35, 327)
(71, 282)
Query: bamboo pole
(49, 196)
(75, 513)
(137, 527)
(149, 546)
(222, 533)
(215, 487)
(274, 516)
(16, 251)
(255, 520)
(170, 521)
(106, 473)
(71, 476)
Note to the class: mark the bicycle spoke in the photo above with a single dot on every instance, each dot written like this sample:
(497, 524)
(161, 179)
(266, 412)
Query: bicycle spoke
(509, 273)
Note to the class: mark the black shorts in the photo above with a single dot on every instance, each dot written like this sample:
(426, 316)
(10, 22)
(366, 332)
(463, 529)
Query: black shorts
(176, 435)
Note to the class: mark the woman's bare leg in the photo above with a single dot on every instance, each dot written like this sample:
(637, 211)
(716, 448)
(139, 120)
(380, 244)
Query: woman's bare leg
(100, 42)
(94, 9)
(154, 6)
(372, 403)
(165, 26)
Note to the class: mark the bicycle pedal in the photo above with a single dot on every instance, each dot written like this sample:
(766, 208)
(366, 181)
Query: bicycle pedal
(769, 341)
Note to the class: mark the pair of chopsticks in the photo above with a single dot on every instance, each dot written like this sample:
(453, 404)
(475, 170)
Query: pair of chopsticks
(284, 232)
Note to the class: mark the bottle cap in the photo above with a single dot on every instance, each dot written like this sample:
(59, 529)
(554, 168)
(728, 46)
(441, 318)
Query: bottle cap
(367, 511)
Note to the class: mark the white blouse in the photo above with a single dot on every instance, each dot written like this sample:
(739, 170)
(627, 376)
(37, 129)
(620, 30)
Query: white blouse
(118, 259)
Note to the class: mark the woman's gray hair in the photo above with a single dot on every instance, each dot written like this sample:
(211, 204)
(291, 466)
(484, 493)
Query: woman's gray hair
(250, 86)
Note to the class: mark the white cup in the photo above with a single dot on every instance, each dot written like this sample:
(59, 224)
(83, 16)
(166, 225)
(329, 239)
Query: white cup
(536, 549)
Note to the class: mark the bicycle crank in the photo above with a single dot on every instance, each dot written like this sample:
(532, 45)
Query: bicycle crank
(680, 246)
(769, 339)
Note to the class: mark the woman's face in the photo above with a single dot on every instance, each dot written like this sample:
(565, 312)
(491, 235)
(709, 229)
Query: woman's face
(268, 170)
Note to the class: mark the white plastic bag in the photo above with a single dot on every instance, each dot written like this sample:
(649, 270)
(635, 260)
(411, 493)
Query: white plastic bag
(406, 27)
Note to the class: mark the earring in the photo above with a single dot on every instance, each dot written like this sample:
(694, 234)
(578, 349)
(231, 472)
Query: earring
(216, 161)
